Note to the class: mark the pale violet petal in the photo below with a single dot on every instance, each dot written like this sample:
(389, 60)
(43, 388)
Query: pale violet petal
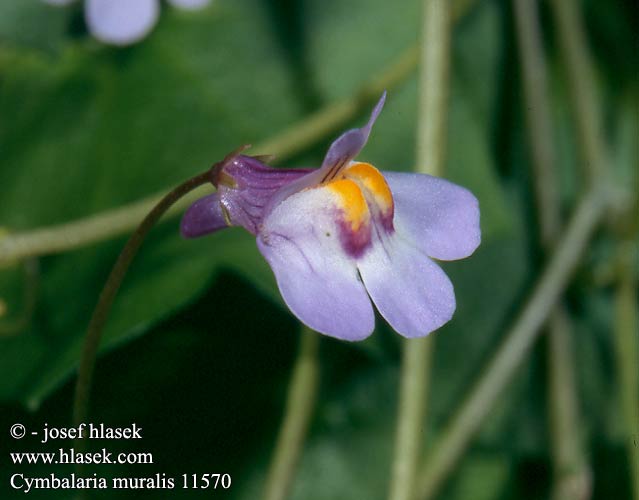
(189, 4)
(351, 142)
(121, 22)
(317, 279)
(439, 217)
(339, 154)
(409, 290)
(205, 216)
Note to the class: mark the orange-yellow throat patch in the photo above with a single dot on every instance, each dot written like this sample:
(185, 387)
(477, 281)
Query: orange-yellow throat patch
(374, 185)
(359, 186)
(351, 201)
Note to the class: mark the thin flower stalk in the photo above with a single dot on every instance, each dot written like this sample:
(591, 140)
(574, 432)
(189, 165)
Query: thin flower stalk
(109, 291)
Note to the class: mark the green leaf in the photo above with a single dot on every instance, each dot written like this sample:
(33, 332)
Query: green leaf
(33, 24)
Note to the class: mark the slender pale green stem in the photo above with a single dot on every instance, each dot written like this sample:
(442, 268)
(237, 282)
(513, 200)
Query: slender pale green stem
(431, 146)
(538, 121)
(456, 436)
(627, 354)
(571, 475)
(82, 232)
(300, 403)
(434, 76)
(582, 85)
(111, 287)
(409, 440)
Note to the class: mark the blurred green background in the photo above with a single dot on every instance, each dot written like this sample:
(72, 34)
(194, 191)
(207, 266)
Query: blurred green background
(199, 347)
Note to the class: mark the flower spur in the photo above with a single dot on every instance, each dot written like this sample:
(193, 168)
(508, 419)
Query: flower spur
(342, 235)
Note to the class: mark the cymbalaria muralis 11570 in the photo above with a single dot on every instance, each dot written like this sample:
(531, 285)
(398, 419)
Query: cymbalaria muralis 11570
(342, 235)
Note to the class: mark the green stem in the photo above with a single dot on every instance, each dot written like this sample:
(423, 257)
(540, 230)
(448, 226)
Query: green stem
(300, 402)
(434, 87)
(414, 386)
(82, 232)
(627, 355)
(581, 80)
(111, 287)
(452, 442)
(431, 146)
(571, 474)
(538, 120)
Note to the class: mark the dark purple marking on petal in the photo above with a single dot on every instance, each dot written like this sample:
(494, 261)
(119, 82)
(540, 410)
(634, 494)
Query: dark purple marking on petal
(356, 242)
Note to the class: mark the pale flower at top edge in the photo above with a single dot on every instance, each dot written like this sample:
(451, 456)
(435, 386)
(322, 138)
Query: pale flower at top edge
(125, 22)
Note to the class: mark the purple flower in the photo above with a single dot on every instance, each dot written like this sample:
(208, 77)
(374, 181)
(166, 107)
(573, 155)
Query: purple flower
(342, 235)
(124, 22)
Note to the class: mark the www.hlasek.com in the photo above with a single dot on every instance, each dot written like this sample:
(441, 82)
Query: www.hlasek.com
(54, 481)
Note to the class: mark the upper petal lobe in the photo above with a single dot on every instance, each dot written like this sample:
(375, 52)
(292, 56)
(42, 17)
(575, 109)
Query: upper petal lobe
(439, 217)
